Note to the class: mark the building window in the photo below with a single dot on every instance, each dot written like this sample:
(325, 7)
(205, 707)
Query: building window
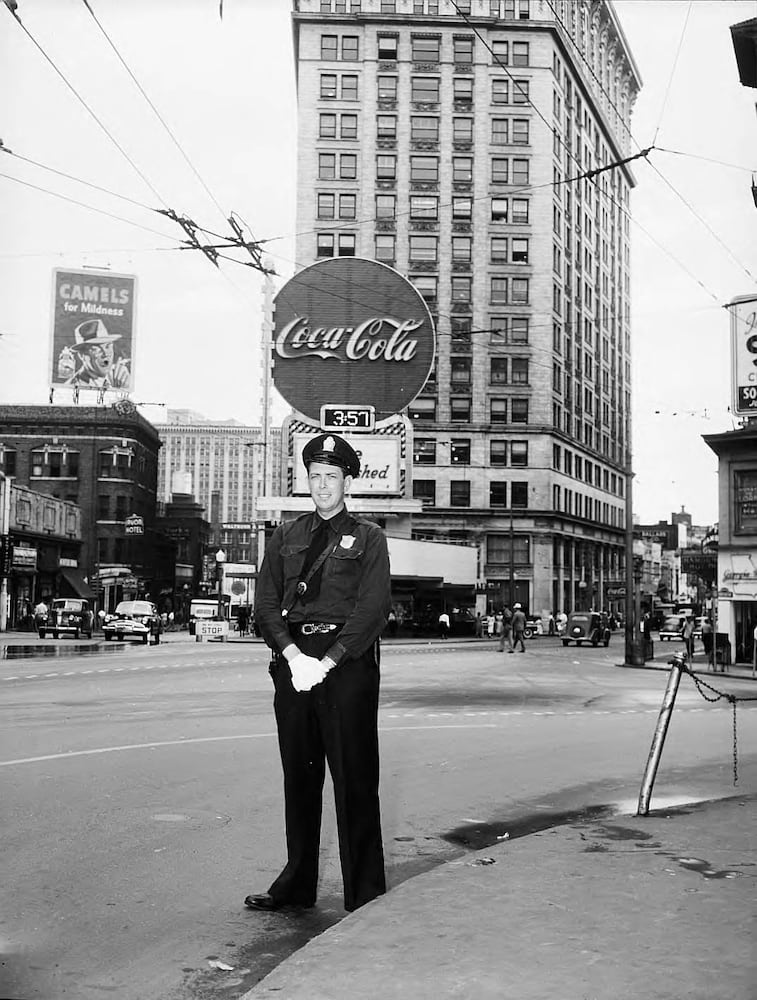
(519, 210)
(424, 128)
(326, 205)
(498, 371)
(520, 131)
(519, 291)
(520, 251)
(425, 50)
(329, 47)
(519, 329)
(498, 411)
(387, 47)
(350, 48)
(498, 453)
(426, 285)
(460, 409)
(519, 411)
(520, 54)
(462, 130)
(424, 451)
(8, 461)
(500, 91)
(500, 131)
(500, 170)
(349, 87)
(520, 92)
(387, 88)
(462, 49)
(461, 248)
(461, 330)
(460, 451)
(499, 253)
(347, 206)
(326, 126)
(519, 497)
(424, 169)
(460, 373)
(348, 126)
(103, 507)
(386, 167)
(385, 246)
(745, 501)
(462, 209)
(423, 248)
(498, 548)
(325, 245)
(425, 89)
(346, 244)
(326, 166)
(386, 206)
(462, 169)
(422, 207)
(459, 493)
(519, 454)
(497, 494)
(499, 52)
(347, 166)
(462, 90)
(498, 294)
(423, 409)
(425, 491)
(499, 209)
(498, 331)
(461, 289)
(328, 86)
(521, 172)
(519, 371)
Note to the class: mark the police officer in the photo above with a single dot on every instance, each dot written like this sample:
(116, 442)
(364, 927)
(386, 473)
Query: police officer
(323, 599)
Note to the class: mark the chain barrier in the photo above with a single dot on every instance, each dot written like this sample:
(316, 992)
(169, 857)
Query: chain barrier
(732, 700)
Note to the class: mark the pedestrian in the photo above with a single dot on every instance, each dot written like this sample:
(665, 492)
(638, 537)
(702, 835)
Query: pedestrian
(707, 638)
(519, 627)
(323, 598)
(561, 622)
(444, 625)
(551, 624)
(242, 619)
(392, 623)
(490, 623)
(688, 636)
(505, 637)
(479, 625)
(40, 613)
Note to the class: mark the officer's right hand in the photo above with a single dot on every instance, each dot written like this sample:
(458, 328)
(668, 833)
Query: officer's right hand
(306, 672)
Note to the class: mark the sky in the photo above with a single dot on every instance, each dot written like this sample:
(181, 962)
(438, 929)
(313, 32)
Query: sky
(226, 89)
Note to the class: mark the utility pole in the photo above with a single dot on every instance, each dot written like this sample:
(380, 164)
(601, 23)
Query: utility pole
(5, 541)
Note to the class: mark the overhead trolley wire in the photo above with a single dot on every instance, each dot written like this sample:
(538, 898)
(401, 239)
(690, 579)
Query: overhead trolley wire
(84, 104)
(672, 72)
(155, 111)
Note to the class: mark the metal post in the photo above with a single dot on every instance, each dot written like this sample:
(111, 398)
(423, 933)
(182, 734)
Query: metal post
(5, 517)
(661, 729)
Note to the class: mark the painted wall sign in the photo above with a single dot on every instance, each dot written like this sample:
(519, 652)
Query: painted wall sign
(351, 331)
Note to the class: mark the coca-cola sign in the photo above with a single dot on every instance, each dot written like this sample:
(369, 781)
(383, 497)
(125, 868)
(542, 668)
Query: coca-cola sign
(351, 331)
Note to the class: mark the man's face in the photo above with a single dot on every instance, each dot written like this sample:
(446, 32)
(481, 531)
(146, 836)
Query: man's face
(327, 487)
(98, 358)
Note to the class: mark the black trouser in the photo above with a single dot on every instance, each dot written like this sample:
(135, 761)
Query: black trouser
(335, 721)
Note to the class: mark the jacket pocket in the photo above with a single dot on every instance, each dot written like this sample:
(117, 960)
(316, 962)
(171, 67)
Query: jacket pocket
(292, 558)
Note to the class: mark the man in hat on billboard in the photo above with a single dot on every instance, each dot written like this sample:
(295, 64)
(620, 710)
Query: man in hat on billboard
(323, 598)
(91, 360)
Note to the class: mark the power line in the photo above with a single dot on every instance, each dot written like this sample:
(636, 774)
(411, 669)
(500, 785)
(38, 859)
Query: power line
(672, 71)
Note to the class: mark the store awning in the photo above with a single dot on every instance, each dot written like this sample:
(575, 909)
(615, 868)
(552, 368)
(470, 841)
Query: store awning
(74, 580)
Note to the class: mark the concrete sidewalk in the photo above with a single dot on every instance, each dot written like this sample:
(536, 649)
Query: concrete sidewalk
(654, 908)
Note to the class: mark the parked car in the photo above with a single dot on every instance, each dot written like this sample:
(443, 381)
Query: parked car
(672, 627)
(534, 626)
(133, 620)
(68, 616)
(587, 626)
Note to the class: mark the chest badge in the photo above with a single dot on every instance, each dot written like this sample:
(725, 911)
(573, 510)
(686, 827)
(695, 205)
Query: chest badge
(347, 541)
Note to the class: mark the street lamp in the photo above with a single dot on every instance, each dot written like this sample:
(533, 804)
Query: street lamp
(220, 560)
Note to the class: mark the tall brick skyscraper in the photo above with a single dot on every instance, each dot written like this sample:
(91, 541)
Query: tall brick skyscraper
(453, 141)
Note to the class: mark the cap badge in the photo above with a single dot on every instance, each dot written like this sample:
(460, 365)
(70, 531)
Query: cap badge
(329, 444)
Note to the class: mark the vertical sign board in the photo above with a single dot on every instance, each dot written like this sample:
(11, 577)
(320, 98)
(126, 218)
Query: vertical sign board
(744, 354)
(92, 341)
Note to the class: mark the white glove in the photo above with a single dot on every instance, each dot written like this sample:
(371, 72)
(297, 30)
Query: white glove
(306, 672)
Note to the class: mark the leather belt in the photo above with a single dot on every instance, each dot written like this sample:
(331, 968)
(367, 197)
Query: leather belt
(314, 628)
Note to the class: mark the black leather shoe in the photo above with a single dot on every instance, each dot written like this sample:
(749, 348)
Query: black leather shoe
(265, 901)
(262, 901)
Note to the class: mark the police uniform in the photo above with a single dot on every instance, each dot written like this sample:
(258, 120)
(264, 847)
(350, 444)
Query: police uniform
(324, 586)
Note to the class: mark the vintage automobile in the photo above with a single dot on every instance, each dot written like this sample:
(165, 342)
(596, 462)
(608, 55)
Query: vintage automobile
(68, 616)
(672, 627)
(133, 620)
(587, 626)
(534, 626)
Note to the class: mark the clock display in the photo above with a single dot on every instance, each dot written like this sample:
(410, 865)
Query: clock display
(336, 417)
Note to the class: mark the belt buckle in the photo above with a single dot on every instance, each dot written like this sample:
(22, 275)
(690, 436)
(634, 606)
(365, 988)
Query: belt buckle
(308, 629)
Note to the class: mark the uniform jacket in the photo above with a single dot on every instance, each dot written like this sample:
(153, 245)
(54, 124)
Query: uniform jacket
(355, 583)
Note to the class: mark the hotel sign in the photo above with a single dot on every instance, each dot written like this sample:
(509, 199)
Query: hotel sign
(744, 354)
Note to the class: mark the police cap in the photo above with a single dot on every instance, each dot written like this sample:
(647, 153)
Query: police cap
(333, 450)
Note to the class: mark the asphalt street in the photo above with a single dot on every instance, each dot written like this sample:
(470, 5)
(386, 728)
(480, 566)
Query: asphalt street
(142, 795)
